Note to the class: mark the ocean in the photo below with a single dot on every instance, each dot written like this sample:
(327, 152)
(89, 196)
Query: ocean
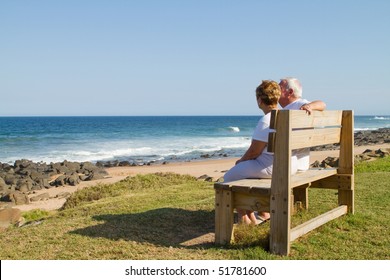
(138, 140)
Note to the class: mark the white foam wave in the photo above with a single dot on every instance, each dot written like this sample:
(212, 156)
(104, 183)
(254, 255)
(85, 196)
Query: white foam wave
(381, 118)
(150, 149)
(364, 129)
(234, 128)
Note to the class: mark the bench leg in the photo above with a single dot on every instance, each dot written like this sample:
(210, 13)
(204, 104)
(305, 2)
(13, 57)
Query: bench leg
(224, 218)
(280, 224)
(301, 194)
(346, 197)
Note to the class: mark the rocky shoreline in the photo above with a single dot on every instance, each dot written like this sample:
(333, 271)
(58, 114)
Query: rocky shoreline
(24, 177)
(372, 137)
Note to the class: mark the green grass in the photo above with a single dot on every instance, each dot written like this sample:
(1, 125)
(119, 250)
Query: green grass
(35, 215)
(169, 216)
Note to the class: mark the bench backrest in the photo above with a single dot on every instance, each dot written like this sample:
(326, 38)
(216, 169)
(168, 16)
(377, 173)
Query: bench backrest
(295, 129)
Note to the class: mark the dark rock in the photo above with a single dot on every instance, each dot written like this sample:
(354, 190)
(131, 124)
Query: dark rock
(370, 137)
(24, 185)
(41, 183)
(17, 198)
(25, 175)
(23, 163)
(88, 166)
(73, 179)
(83, 177)
(3, 185)
(206, 178)
(7, 168)
(316, 164)
(326, 163)
(59, 181)
(74, 166)
(220, 180)
(382, 153)
(10, 179)
(124, 163)
(24, 172)
(95, 176)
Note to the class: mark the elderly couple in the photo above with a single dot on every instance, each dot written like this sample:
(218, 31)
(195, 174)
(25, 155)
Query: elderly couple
(257, 162)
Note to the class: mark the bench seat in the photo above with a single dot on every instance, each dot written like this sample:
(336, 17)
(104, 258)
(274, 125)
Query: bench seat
(263, 186)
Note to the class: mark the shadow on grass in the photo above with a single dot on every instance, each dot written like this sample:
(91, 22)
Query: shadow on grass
(163, 227)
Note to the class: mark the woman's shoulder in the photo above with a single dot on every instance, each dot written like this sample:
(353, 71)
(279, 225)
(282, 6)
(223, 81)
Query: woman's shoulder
(266, 118)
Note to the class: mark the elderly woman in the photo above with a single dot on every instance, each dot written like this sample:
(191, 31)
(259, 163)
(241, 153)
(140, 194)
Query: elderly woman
(257, 162)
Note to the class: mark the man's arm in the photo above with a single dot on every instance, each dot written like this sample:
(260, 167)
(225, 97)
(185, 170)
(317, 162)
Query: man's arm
(316, 105)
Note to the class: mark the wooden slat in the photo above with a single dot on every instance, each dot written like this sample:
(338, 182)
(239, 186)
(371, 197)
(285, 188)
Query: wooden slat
(338, 181)
(274, 117)
(347, 197)
(228, 217)
(271, 142)
(259, 186)
(280, 188)
(252, 186)
(301, 194)
(251, 202)
(218, 216)
(311, 175)
(222, 186)
(253, 190)
(223, 216)
(314, 137)
(306, 138)
(317, 222)
(258, 183)
(300, 119)
(263, 186)
(346, 160)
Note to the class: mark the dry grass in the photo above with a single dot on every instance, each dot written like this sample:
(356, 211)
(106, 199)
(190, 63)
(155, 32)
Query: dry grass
(168, 216)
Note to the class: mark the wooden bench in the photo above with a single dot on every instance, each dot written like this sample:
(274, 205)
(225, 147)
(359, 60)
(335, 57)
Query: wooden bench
(294, 129)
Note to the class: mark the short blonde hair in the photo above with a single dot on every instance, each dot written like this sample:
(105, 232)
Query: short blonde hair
(269, 92)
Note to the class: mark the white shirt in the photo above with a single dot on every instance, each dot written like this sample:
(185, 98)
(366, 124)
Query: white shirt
(262, 129)
(261, 134)
(296, 105)
(303, 155)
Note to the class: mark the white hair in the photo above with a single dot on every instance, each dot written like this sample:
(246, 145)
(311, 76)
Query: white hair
(295, 85)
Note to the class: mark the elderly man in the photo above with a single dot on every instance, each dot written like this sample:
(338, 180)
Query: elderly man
(291, 99)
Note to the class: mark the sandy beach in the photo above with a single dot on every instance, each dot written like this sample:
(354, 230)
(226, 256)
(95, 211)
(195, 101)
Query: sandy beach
(214, 168)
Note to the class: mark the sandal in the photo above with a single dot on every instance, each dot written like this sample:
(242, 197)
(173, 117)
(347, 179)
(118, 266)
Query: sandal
(261, 220)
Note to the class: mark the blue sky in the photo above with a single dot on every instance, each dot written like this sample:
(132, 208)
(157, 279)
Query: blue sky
(189, 57)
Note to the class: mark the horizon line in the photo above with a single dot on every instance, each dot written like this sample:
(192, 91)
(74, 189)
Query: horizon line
(78, 116)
